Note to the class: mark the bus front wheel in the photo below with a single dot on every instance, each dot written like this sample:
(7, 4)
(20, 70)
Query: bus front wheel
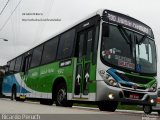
(147, 109)
(110, 106)
(61, 96)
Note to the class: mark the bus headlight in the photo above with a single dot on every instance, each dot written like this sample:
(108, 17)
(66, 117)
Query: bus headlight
(152, 100)
(108, 79)
(153, 88)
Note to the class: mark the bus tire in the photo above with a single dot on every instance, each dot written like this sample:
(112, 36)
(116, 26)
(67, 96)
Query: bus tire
(14, 93)
(147, 109)
(110, 106)
(61, 96)
(46, 102)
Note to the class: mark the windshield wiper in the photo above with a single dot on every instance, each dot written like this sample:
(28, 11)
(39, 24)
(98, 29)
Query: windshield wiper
(126, 36)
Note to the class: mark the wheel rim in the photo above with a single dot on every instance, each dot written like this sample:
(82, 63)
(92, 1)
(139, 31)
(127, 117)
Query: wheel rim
(61, 95)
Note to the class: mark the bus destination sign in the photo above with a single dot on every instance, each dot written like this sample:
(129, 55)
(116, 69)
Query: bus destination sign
(129, 22)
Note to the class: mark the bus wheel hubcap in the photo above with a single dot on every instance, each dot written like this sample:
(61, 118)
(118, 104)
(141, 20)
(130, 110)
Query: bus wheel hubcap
(61, 95)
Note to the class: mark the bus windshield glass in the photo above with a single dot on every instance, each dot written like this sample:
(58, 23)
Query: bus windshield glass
(127, 50)
(145, 55)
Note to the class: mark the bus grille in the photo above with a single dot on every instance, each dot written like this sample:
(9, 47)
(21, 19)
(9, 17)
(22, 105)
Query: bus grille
(134, 79)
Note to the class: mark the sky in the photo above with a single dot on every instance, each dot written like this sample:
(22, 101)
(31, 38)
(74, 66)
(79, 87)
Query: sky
(23, 35)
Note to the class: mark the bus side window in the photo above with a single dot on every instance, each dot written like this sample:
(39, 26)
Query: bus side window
(18, 64)
(80, 46)
(7, 68)
(65, 47)
(37, 54)
(26, 60)
(23, 64)
(89, 41)
(26, 63)
(84, 43)
(50, 50)
(12, 65)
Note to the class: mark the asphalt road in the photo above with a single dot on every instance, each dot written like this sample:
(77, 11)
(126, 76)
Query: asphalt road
(33, 110)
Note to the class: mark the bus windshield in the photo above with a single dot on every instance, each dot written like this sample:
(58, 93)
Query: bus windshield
(125, 49)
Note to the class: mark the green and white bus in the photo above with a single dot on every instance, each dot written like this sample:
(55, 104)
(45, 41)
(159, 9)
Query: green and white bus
(105, 58)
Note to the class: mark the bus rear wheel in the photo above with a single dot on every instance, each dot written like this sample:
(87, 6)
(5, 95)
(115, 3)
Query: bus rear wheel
(110, 106)
(61, 96)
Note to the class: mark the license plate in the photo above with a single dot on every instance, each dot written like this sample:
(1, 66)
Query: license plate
(134, 96)
(158, 100)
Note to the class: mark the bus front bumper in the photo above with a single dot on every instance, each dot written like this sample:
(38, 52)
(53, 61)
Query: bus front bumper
(125, 96)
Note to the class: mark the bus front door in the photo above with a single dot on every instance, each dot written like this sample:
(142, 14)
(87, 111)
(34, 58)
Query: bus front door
(84, 61)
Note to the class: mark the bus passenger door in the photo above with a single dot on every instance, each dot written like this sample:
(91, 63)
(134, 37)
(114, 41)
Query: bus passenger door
(25, 68)
(84, 62)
